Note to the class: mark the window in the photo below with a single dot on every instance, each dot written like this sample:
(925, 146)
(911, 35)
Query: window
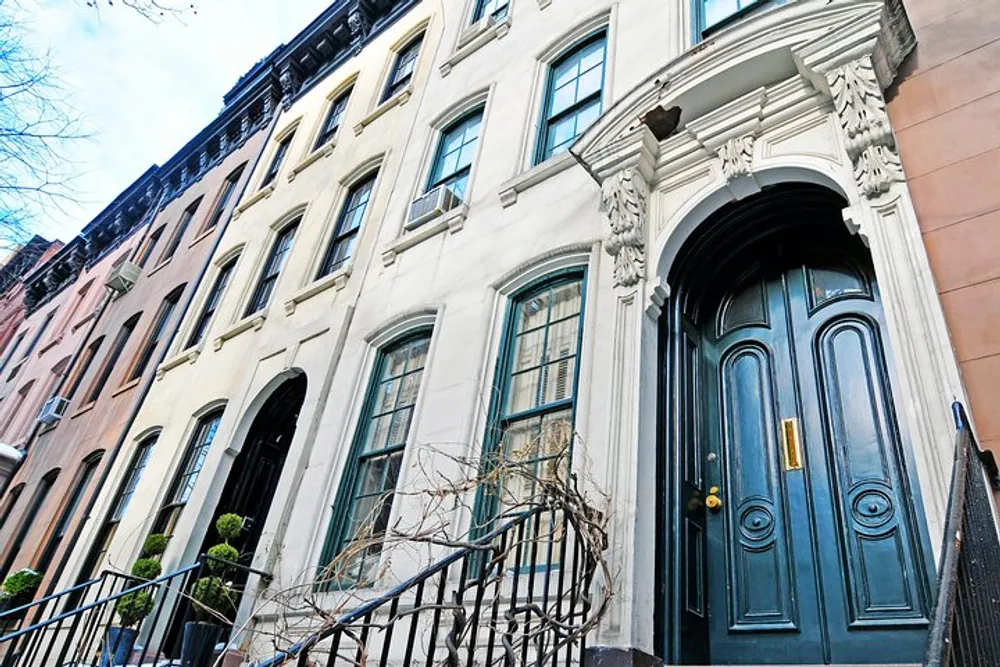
(333, 119)
(37, 500)
(366, 493)
(12, 498)
(38, 334)
(12, 350)
(150, 245)
(402, 69)
(279, 157)
(537, 380)
(83, 479)
(14, 409)
(496, 9)
(70, 316)
(175, 239)
(85, 360)
(211, 303)
(572, 96)
(714, 13)
(187, 474)
(227, 193)
(117, 347)
(122, 498)
(155, 334)
(272, 269)
(455, 151)
(349, 221)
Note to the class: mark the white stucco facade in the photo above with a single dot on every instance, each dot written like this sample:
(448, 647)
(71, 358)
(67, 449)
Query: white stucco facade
(762, 102)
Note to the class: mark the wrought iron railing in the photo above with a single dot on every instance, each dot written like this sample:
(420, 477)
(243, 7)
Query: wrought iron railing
(966, 627)
(81, 634)
(519, 595)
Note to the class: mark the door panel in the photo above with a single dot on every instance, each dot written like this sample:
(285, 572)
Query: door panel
(760, 572)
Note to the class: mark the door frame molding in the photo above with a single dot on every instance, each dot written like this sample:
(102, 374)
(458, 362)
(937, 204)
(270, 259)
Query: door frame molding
(810, 110)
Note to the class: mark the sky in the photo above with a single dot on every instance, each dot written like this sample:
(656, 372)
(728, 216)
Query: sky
(143, 89)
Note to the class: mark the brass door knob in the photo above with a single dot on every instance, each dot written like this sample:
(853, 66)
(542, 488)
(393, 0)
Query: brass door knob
(712, 501)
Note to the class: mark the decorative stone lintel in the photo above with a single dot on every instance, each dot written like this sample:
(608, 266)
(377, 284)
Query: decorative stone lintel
(254, 322)
(474, 38)
(397, 100)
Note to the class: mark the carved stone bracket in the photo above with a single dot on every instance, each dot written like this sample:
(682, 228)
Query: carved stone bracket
(860, 107)
(736, 156)
(623, 199)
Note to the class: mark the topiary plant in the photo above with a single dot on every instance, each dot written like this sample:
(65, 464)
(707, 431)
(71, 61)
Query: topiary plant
(229, 526)
(213, 598)
(154, 545)
(22, 584)
(133, 607)
(147, 568)
(225, 554)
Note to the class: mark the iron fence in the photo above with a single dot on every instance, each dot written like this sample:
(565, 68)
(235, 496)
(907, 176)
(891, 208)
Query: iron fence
(966, 627)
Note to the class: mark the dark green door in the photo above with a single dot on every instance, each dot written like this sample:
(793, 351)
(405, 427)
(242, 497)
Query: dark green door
(814, 554)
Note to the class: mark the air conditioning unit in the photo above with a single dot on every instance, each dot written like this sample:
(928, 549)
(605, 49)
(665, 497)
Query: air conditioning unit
(53, 410)
(424, 209)
(123, 276)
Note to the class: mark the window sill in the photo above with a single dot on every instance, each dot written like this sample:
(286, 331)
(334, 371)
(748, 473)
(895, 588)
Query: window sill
(187, 356)
(48, 346)
(336, 280)
(397, 100)
(540, 172)
(317, 155)
(255, 322)
(474, 38)
(15, 368)
(83, 409)
(263, 193)
(159, 267)
(452, 220)
(86, 319)
(201, 237)
(131, 384)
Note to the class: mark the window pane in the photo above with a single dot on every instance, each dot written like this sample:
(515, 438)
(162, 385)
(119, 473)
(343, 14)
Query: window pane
(716, 10)
(528, 350)
(562, 339)
(557, 380)
(523, 392)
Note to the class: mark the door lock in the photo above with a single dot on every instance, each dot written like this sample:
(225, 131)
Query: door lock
(713, 502)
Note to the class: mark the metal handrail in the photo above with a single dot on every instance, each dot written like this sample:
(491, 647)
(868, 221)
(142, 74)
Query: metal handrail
(35, 603)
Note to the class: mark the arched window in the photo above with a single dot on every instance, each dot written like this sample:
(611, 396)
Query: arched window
(368, 486)
(573, 96)
(533, 413)
(455, 152)
(272, 269)
(115, 353)
(212, 300)
(187, 474)
(12, 498)
(80, 486)
(156, 333)
(345, 236)
(37, 501)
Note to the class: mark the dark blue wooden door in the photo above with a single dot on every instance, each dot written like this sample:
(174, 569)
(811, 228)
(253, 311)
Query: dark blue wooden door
(814, 554)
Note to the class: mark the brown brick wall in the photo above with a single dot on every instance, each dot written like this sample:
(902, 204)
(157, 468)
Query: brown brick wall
(946, 112)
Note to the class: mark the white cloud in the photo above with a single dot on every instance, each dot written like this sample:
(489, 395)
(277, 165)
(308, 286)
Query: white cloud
(144, 89)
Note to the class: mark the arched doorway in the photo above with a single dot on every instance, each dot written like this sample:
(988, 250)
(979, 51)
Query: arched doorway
(796, 533)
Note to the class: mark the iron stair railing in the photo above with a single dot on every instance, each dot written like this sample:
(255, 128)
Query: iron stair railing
(79, 635)
(966, 627)
(515, 597)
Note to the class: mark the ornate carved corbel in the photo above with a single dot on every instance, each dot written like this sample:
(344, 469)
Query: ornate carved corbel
(860, 107)
(736, 156)
(623, 199)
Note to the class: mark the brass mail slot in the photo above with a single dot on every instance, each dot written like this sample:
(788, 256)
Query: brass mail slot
(790, 439)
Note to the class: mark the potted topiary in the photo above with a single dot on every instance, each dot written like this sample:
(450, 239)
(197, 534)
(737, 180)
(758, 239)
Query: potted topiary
(135, 606)
(18, 589)
(213, 597)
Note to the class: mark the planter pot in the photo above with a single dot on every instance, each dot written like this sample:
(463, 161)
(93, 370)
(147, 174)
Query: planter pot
(118, 646)
(198, 645)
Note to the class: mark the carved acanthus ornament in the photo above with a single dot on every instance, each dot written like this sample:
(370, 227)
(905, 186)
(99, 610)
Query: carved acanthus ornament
(623, 200)
(860, 107)
(736, 156)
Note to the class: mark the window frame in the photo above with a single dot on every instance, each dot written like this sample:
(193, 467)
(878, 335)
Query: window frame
(278, 158)
(210, 306)
(14, 344)
(179, 231)
(479, 10)
(484, 509)
(154, 335)
(703, 31)
(268, 277)
(394, 84)
(432, 182)
(192, 463)
(118, 346)
(38, 499)
(149, 245)
(223, 198)
(12, 497)
(338, 102)
(83, 479)
(350, 236)
(546, 119)
(346, 497)
(89, 354)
